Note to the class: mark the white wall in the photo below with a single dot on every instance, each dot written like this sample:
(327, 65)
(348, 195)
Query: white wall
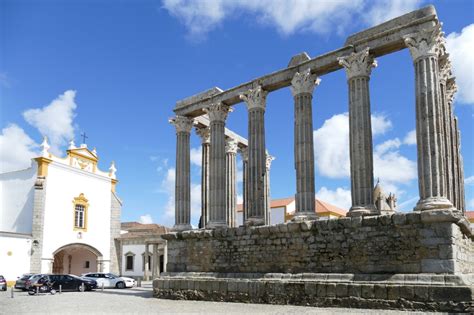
(14, 256)
(16, 200)
(63, 184)
(138, 250)
(277, 215)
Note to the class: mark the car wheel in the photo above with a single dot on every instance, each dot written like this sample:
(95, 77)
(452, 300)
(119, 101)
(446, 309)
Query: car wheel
(81, 288)
(120, 285)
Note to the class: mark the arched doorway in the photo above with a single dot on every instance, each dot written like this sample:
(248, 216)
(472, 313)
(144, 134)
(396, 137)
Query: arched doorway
(77, 259)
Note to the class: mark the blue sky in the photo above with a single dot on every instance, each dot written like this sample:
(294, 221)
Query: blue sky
(114, 69)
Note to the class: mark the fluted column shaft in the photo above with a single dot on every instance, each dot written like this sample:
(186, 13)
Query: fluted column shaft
(444, 73)
(460, 202)
(255, 100)
(183, 178)
(302, 87)
(217, 167)
(231, 182)
(424, 48)
(244, 155)
(204, 133)
(267, 198)
(358, 69)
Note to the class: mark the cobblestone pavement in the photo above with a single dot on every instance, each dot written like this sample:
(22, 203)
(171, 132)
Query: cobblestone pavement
(141, 301)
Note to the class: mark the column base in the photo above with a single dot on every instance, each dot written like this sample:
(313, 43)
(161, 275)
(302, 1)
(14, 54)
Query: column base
(434, 203)
(304, 216)
(216, 224)
(182, 227)
(254, 221)
(359, 211)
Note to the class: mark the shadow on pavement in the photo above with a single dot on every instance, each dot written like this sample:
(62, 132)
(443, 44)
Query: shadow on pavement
(129, 292)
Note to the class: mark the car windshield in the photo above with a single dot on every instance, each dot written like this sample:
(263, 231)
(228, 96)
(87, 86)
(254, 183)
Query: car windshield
(112, 275)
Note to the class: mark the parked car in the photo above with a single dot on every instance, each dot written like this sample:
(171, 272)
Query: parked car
(72, 283)
(110, 280)
(21, 282)
(3, 283)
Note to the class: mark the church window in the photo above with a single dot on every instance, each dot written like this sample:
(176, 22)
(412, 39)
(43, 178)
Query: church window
(80, 213)
(129, 261)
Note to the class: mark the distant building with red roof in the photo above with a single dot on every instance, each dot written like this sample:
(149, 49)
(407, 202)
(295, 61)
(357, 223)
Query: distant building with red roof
(283, 210)
(470, 217)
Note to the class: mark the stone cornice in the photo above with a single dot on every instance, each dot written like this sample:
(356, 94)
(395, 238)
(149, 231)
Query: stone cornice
(182, 124)
(255, 98)
(304, 82)
(451, 89)
(445, 70)
(358, 64)
(268, 161)
(244, 153)
(427, 42)
(218, 112)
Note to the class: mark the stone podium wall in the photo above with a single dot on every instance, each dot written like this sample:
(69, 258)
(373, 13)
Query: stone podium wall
(439, 242)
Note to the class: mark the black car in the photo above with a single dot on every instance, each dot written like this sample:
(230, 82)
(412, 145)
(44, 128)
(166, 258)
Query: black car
(21, 282)
(72, 283)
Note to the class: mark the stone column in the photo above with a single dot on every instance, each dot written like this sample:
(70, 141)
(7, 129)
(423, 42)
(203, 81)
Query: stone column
(444, 74)
(183, 179)
(155, 263)
(231, 181)
(256, 102)
(205, 135)
(145, 257)
(424, 48)
(245, 158)
(267, 189)
(451, 89)
(459, 170)
(358, 69)
(302, 87)
(217, 172)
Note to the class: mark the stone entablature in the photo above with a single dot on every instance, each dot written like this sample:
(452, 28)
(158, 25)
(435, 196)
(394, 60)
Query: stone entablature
(398, 243)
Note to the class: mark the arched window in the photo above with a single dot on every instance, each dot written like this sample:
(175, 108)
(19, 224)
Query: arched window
(80, 213)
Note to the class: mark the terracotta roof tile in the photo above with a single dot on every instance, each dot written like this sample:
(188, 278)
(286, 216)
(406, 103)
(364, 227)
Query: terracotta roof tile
(469, 215)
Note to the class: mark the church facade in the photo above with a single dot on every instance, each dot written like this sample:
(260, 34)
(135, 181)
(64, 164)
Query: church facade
(61, 215)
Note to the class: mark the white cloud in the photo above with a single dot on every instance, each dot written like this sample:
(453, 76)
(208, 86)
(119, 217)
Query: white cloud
(55, 120)
(408, 204)
(331, 143)
(460, 47)
(286, 16)
(168, 187)
(469, 180)
(410, 138)
(380, 124)
(240, 199)
(16, 149)
(340, 197)
(384, 10)
(145, 219)
(196, 156)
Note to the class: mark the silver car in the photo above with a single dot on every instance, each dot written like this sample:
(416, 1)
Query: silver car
(109, 280)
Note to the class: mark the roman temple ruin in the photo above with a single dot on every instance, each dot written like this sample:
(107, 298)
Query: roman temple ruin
(422, 260)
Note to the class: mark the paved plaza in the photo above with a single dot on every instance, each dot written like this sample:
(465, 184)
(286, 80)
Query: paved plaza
(140, 301)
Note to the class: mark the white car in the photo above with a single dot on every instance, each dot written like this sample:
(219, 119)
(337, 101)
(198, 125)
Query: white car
(109, 280)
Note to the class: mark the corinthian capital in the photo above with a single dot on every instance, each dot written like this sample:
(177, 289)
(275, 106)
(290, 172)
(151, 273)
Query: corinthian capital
(218, 112)
(204, 134)
(268, 161)
(231, 146)
(445, 71)
(358, 64)
(255, 98)
(244, 153)
(451, 89)
(182, 124)
(427, 42)
(304, 82)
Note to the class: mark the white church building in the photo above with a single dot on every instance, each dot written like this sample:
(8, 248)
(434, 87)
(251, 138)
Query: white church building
(61, 215)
